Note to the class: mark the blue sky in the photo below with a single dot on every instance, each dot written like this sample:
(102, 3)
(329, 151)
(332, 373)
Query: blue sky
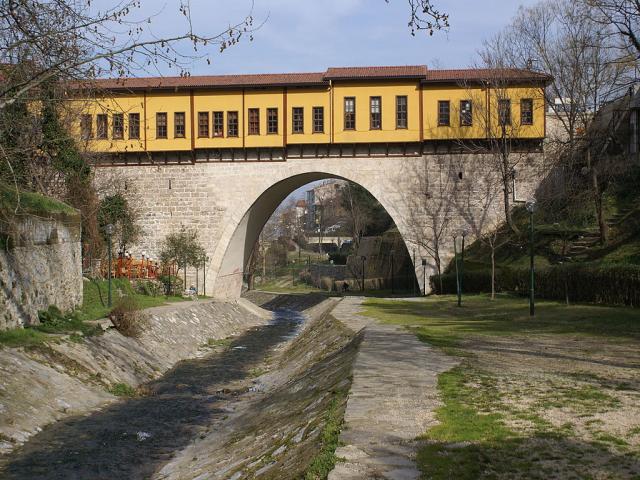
(304, 35)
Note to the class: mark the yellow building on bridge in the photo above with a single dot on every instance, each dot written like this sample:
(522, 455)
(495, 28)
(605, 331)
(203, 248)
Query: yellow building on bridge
(200, 117)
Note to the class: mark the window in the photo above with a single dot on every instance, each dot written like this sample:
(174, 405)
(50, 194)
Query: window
(101, 126)
(401, 111)
(161, 125)
(444, 113)
(375, 104)
(118, 126)
(466, 113)
(134, 126)
(349, 113)
(272, 120)
(318, 119)
(203, 124)
(85, 126)
(254, 121)
(232, 124)
(504, 111)
(526, 111)
(218, 124)
(298, 120)
(178, 126)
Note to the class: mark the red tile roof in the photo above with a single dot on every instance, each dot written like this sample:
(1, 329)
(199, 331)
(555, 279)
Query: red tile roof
(213, 81)
(476, 74)
(418, 72)
(407, 71)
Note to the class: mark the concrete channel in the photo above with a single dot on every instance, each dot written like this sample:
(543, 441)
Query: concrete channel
(250, 407)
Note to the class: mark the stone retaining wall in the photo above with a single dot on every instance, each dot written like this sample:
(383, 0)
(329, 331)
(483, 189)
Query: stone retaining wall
(40, 266)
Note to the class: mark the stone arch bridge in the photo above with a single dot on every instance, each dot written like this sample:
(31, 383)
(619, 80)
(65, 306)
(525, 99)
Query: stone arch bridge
(229, 202)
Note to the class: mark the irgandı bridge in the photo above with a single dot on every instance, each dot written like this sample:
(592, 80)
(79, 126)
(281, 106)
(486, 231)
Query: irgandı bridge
(220, 153)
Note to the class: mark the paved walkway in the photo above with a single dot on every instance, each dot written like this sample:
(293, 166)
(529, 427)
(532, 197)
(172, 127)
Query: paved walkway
(392, 399)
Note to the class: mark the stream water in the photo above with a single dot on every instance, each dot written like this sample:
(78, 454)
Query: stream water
(133, 438)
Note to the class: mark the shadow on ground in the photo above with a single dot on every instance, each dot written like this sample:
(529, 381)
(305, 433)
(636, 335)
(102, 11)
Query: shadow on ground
(538, 457)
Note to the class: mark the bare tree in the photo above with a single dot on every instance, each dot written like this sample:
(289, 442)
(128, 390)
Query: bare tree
(570, 41)
(431, 205)
(560, 39)
(71, 39)
(478, 204)
(621, 15)
(501, 136)
(424, 16)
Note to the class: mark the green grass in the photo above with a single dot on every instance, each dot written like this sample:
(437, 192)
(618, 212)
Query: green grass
(122, 390)
(456, 445)
(221, 342)
(460, 418)
(94, 302)
(325, 460)
(29, 202)
(21, 337)
(439, 321)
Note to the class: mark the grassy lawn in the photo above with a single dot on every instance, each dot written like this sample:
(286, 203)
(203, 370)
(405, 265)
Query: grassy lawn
(555, 396)
(95, 298)
(94, 306)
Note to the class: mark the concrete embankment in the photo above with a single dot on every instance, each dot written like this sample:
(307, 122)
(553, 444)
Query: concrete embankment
(257, 406)
(45, 383)
(276, 433)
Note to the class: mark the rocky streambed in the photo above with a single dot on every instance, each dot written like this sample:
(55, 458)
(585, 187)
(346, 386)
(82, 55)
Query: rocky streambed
(252, 407)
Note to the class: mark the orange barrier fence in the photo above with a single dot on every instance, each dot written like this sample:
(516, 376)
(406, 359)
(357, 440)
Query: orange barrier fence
(134, 268)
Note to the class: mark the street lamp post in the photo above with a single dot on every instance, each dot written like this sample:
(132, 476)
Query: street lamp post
(531, 208)
(363, 258)
(393, 290)
(455, 255)
(424, 277)
(109, 231)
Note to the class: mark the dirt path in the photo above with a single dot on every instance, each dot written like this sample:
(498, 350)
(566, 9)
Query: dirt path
(391, 402)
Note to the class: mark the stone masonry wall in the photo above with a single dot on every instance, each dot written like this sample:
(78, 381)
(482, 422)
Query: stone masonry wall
(42, 266)
(216, 198)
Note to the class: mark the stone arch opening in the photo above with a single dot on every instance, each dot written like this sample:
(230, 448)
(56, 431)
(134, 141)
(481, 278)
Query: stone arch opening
(229, 276)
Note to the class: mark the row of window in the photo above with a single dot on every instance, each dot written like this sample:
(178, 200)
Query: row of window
(297, 119)
(504, 112)
(375, 112)
(117, 126)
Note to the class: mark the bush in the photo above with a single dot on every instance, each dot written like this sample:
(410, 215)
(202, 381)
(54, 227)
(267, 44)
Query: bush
(150, 288)
(127, 318)
(608, 285)
(122, 390)
(173, 285)
(53, 320)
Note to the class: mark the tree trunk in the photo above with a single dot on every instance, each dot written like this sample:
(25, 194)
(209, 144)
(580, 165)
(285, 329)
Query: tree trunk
(506, 180)
(597, 198)
(493, 272)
